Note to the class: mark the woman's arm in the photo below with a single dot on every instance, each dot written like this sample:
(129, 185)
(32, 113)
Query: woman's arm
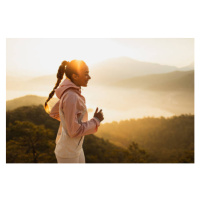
(70, 107)
(55, 111)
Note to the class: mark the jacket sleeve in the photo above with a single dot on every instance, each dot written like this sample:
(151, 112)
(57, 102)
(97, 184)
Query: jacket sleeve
(55, 111)
(70, 109)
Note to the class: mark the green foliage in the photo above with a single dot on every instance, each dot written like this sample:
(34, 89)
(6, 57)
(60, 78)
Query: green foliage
(165, 139)
(34, 114)
(100, 151)
(29, 143)
(31, 133)
(136, 155)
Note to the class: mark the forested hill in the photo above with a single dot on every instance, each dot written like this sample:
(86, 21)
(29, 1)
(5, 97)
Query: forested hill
(31, 133)
(28, 100)
(166, 139)
(30, 138)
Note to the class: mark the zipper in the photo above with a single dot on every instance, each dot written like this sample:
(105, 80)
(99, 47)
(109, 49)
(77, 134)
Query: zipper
(79, 141)
(80, 120)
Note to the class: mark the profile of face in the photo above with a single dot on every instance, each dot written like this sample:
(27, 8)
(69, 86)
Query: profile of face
(82, 77)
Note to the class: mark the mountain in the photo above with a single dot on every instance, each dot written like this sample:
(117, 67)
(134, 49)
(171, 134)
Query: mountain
(188, 67)
(177, 80)
(28, 100)
(121, 68)
(148, 140)
(31, 100)
(167, 139)
(102, 73)
(30, 129)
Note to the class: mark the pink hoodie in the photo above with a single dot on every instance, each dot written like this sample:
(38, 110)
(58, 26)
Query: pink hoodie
(72, 103)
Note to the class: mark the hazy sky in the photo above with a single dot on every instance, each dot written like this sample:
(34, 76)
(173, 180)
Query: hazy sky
(35, 57)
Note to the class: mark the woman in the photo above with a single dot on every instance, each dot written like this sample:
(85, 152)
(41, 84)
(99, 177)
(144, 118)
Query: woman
(71, 111)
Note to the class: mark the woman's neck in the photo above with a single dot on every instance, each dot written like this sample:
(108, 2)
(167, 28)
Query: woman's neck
(75, 83)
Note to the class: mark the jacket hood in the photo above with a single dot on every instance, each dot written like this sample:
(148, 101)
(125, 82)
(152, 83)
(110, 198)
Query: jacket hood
(66, 84)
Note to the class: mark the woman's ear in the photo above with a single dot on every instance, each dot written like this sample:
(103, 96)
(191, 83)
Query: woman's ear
(74, 76)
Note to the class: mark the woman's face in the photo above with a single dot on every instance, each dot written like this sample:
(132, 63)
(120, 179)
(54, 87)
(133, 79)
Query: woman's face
(82, 77)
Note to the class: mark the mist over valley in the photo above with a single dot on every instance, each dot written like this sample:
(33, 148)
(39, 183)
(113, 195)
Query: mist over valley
(124, 88)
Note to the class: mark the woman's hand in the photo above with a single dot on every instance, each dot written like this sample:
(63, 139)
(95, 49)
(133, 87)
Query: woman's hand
(99, 114)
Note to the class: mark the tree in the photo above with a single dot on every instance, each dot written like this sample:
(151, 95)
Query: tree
(31, 143)
(135, 154)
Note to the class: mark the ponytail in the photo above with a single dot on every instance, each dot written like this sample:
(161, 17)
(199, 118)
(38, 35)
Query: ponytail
(60, 74)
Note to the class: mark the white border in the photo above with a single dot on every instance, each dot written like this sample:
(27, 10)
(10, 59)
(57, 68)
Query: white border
(99, 19)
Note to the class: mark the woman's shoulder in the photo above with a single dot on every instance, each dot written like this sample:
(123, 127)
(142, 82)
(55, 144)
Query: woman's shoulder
(74, 97)
(71, 99)
(70, 93)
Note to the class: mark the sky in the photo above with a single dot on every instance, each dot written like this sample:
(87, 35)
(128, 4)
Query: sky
(38, 57)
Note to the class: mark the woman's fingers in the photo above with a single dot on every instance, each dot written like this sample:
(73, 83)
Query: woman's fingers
(96, 110)
(101, 112)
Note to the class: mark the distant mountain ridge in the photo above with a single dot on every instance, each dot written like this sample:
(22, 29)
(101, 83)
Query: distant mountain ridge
(31, 100)
(122, 68)
(103, 73)
(177, 80)
(188, 67)
(28, 100)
